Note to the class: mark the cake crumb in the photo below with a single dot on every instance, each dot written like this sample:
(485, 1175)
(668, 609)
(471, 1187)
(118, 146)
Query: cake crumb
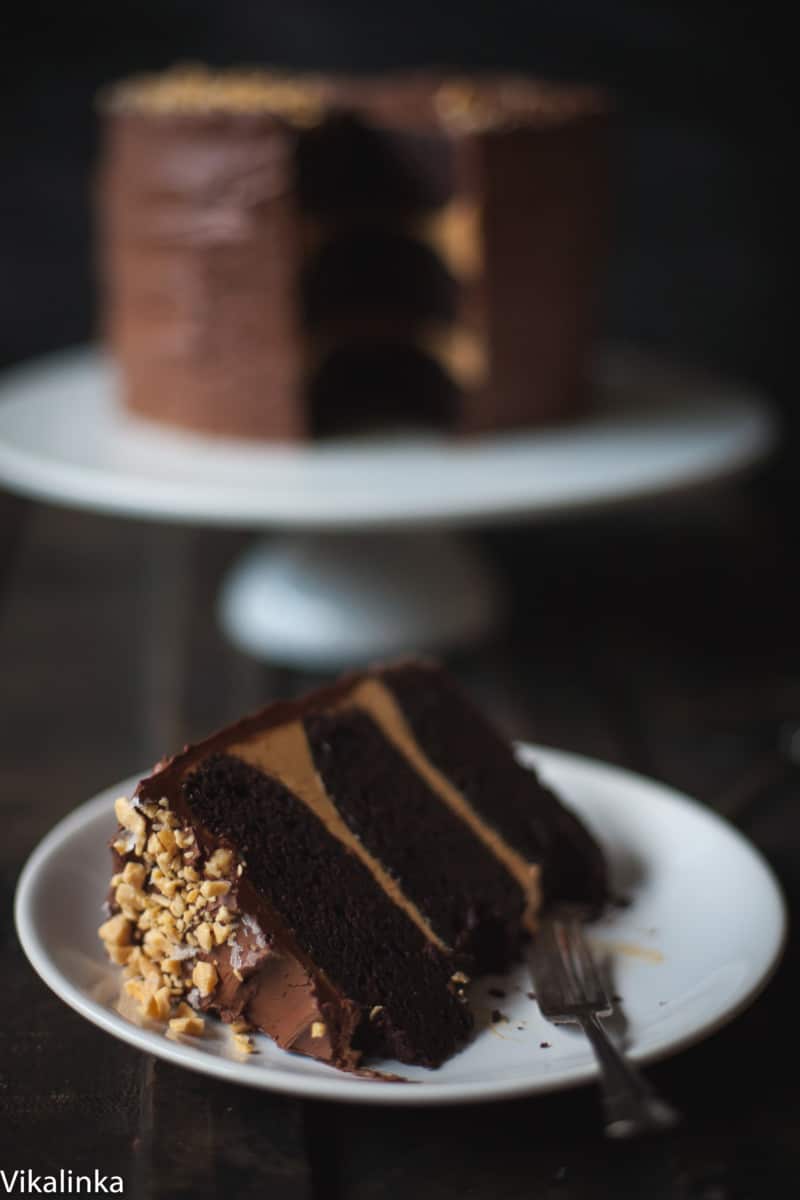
(531, 995)
(498, 992)
(544, 1045)
(498, 1016)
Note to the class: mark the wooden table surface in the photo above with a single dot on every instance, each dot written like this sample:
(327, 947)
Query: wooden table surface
(664, 639)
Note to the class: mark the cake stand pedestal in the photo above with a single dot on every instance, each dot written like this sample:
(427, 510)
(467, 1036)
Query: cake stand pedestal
(326, 600)
(362, 562)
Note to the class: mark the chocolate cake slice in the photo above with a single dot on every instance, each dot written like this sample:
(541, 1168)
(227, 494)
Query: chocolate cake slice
(330, 870)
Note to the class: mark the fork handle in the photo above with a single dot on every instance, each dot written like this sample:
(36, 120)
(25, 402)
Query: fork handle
(631, 1105)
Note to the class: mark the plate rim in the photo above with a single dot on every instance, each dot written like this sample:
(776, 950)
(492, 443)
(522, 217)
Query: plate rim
(99, 487)
(340, 1087)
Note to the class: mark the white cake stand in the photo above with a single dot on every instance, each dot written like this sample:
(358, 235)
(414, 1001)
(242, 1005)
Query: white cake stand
(365, 564)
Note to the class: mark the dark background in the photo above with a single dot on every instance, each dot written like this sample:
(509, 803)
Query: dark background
(703, 151)
(662, 638)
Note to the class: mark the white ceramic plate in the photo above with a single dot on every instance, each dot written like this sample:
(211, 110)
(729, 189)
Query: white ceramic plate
(702, 934)
(65, 437)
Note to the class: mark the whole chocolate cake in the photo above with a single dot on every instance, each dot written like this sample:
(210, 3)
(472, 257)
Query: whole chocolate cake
(289, 256)
(331, 870)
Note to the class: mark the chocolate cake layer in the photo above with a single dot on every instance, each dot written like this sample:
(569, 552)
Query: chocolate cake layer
(271, 247)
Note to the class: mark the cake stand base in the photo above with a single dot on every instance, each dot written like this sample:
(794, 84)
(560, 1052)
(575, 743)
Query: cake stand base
(334, 600)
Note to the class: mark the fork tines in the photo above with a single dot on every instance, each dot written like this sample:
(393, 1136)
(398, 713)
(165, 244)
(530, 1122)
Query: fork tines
(565, 974)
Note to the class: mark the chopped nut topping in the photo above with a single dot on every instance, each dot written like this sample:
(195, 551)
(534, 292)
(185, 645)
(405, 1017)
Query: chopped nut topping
(204, 935)
(135, 874)
(138, 990)
(150, 972)
(134, 963)
(219, 863)
(126, 894)
(166, 861)
(459, 977)
(168, 887)
(158, 1005)
(318, 1029)
(155, 943)
(374, 1011)
(240, 1026)
(204, 977)
(221, 933)
(119, 954)
(128, 817)
(193, 1025)
(214, 887)
(116, 931)
(160, 922)
(243, 1043)
(167, 839)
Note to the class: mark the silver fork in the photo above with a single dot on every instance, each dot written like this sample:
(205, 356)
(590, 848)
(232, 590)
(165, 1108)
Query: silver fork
(569, 990)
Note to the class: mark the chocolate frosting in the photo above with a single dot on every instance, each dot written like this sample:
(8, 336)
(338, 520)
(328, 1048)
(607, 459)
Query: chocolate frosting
(263, 981)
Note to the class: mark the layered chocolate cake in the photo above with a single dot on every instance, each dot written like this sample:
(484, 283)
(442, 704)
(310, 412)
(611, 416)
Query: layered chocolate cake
(332, 870)
(288, 256)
